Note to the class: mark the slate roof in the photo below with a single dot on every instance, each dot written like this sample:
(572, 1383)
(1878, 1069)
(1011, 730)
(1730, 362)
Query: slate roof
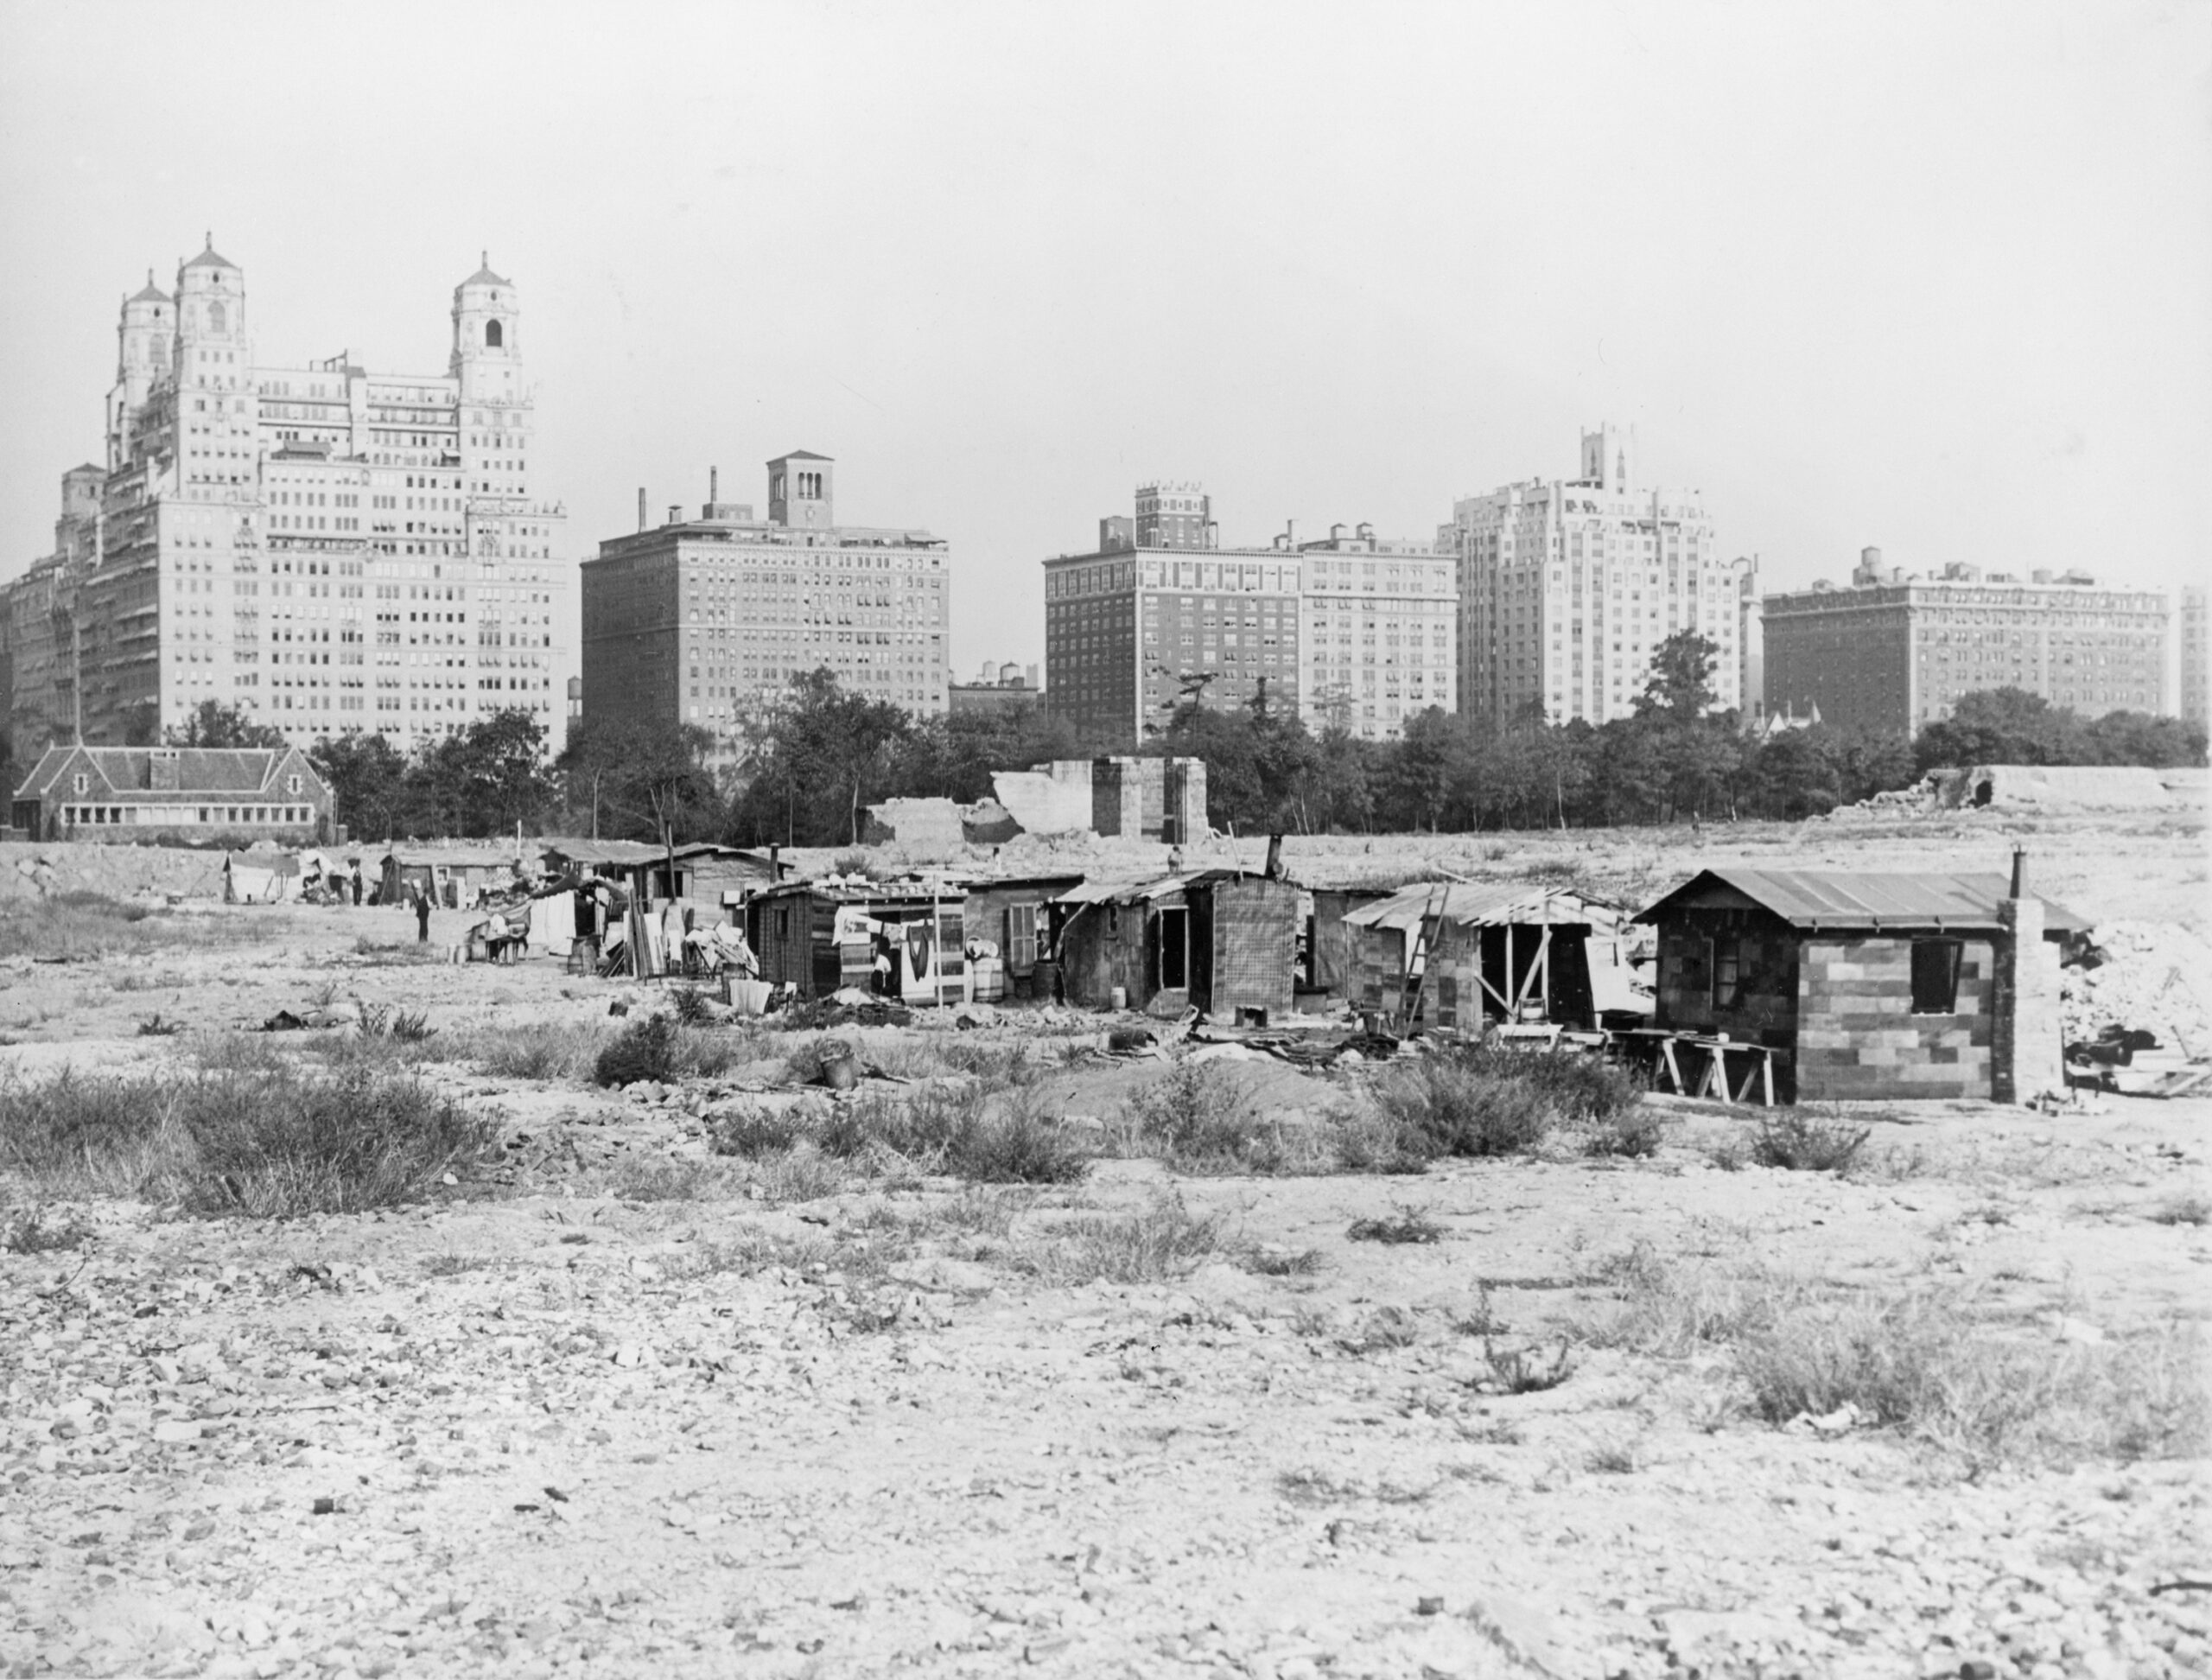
(201, 770)
(1823, 900)
(208, 258)
(149, 292)
(484, 277)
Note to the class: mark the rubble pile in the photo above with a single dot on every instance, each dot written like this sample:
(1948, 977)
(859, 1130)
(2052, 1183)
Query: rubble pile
(2154, 976)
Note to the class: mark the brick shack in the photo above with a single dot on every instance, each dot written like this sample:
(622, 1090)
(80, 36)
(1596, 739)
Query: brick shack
(1867, 986)
(1219, 939)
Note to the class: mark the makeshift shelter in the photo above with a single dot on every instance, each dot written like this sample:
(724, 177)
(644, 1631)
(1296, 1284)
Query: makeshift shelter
(704, 870)
(452, 875)
(726, 876)
(1813, 985)
(260, 878)
(1013, 914)
(1459, 953)
(1220, 940)
(1329, 962)
(822, 935)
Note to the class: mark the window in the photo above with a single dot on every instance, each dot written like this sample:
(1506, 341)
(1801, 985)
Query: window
(494, 335)
(1935, 976)
(1020, 938)
(1727, 973)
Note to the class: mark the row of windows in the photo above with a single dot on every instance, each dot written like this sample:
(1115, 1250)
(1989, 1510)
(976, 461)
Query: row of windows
(100, 816)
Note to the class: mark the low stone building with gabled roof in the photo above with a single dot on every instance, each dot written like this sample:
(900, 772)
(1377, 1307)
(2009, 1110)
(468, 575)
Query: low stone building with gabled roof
(148, 794)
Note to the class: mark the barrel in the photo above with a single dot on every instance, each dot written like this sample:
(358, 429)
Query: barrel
(1120, 997)
(1044, 981)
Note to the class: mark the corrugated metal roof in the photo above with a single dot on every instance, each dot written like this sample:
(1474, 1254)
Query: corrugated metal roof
(1478, 904)
(1822, 898)
(1129, 891)
(602, 852)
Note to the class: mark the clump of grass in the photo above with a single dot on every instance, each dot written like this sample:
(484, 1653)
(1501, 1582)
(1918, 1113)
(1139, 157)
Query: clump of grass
(1483, 1321)
(273, 1143)
(1407, 1226)
(2183, 1211)
(1925, 1363)
(155, 1027)
(644, 1051)
(1634, 1134)
(997, 1065)
(1382, 1330)
(1805, 1140)
(1197, 1118)
(1268, 1260)
(1612, 1457)
(534, 1050)
(384, 1020)
(452, 1263)
(1162, 1242)
(941, 1128)
(690, 1004)
(641, 1178)
(374, 953)
(756, 1132)
(1018, 1145)
(1484, 1100)
(81, 925)
(1525, 1369)
(32, 1231)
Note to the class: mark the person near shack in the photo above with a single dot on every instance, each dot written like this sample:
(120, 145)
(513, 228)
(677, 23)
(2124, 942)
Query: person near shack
(881, 978)
(357, 883)
(422, 917)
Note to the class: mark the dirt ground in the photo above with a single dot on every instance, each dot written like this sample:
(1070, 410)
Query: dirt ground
(593, 1416)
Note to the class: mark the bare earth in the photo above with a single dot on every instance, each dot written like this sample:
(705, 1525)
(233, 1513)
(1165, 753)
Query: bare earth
(626, 1408)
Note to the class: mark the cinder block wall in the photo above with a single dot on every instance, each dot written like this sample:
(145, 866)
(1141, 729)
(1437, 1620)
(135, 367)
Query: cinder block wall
(1857, 1038)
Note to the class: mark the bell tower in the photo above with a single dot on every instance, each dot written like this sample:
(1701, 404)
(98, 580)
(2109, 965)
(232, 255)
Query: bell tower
(800, 486)
(486, 338)
(145, 354)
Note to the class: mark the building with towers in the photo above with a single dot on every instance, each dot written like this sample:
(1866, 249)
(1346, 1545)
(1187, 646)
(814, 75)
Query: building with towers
(322, 546)
(704, 621)
(1567, 587)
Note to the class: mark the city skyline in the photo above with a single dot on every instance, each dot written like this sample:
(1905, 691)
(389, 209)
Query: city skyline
(1859, 336)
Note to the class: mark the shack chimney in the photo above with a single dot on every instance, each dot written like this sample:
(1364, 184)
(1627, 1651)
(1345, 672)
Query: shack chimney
(1274, 871)
(775, 870)
(2019, 872)
(641, 507)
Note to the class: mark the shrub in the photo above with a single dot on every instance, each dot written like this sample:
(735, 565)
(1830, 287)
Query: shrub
(1199, 1119)
(1407, 1227)
(155, 1027)
(539, 1050)
(1522, 1371)
(1444, 1106)
(643, 1051)
(2183, 1210)
(29, 1230)
(691, 1006)
(1018, 1146)
(849, 863)
(1635, 1133)
(1805, 1141)
(1272, 1262)
(1163, 1242)
(268, 1144)
(756, 1133)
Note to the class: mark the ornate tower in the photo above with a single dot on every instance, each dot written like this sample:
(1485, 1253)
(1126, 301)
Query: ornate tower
(212, 346)
(145, 353)
(1606, 457)
(486, 338)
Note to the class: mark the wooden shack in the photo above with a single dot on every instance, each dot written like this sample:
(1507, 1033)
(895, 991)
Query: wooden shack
(1458, 954)
(1330, 968)
(1013, 913)
(452, 875)
(822, 935)
(1862, 986)
(710, 872)
(1223, 941)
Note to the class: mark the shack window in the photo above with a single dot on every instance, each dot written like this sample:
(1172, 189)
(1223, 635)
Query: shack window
(1174, 938)
(1935, 976)
(1020, 938)
(1727, 973)
(783, 924)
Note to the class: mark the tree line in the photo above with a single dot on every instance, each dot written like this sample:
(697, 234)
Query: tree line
(805, 768)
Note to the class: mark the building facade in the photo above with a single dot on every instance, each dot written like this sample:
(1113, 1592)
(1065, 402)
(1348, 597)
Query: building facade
(703, 620)
(2196, 705)
(1567, 587)
(1893, 652)
(148, 794)
(1160, 610)
(323, 547)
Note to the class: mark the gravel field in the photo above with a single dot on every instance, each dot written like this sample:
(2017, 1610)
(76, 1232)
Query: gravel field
(615, 1402)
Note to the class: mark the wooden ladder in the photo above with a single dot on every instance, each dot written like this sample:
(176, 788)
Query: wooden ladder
(1423, 947)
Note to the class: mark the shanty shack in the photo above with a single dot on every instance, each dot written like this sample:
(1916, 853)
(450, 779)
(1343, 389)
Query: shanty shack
(1857, 986)
(452, 875)
(1329, 964)
(704, 870)
(1014, 913)
(1458, 953)
(821, 935)
(1218, 939)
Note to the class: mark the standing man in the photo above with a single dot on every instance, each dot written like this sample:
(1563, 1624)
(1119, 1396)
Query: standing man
(422, 917)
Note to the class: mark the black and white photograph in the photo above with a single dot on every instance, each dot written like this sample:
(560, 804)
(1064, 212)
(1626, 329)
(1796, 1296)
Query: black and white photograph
(1255, 839)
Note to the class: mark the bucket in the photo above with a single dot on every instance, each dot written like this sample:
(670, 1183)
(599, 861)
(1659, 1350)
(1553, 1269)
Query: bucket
(750, 998)
(1119, 997)
(838, 1075)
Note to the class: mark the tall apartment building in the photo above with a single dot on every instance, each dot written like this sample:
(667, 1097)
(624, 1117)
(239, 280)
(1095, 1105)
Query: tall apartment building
(1894, 651)
(1567, 588)
(324, 547)
(38, 695)
(1160, 602)
(2196, 664)
(700, 620)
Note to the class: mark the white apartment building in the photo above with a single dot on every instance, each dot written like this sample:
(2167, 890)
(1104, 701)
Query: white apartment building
(2195, 661)
(324, 547)
(1567, 587)
(1352, 631)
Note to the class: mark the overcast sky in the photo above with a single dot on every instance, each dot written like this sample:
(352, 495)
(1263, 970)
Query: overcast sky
(1936, 277)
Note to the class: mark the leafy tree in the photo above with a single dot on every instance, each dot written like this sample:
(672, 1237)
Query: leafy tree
(633, 780)
(1995, 726)
(367, 777)
(1680, 686)
(216, 723)
(486, 778)
(814, 760)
